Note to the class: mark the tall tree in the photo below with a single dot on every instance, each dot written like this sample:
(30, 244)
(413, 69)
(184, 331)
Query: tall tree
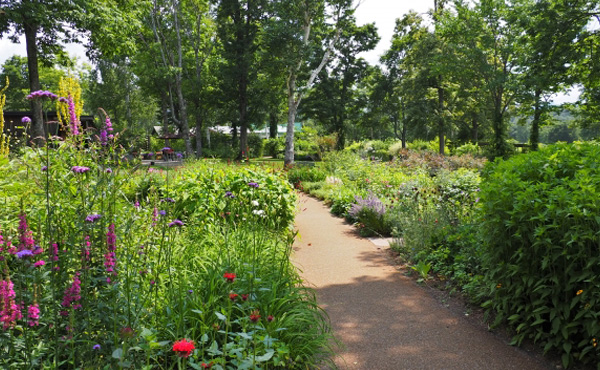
(293, 38)
(46, 25)
(336, 89)
(239, 24)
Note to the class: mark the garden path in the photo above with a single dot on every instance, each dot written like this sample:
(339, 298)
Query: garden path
(383, 319)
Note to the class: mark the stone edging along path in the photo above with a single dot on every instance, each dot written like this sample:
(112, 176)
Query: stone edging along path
(383, 319)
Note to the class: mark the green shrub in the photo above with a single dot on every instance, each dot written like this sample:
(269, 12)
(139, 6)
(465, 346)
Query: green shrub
(301, 173)
(468, 148)
(540, 229)
(255, 146)
(274, 147)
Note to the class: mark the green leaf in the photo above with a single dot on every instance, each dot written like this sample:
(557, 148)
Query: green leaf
(118, 353)
(266, 357)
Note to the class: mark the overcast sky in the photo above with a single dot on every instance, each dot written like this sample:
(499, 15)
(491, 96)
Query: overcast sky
(383, 12)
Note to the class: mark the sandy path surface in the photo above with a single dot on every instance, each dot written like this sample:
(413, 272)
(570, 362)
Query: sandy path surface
(385, 320)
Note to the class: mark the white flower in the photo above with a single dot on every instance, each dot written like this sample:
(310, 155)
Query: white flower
(255, 203)
(259, 212)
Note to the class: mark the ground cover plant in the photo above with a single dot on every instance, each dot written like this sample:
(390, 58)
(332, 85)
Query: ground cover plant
(110, 266)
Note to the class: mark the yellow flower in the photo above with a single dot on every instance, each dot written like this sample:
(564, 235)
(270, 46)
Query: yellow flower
(579, 291)
(499, 286)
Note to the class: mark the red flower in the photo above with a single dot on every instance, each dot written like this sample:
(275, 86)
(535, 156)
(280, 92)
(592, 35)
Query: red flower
(207, 366)
(254, 316)
(232, 296)
(270, 318)
(244, 297)
(230, 276)
(183, 348)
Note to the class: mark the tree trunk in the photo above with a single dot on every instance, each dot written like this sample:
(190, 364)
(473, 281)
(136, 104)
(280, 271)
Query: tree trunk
(185, 128)
(37, 119)
(288, 157)
(273, 125)
(475, 129)
(243, 111)
(198, 136)
(534, 138)
(441, 125)
(165, 114)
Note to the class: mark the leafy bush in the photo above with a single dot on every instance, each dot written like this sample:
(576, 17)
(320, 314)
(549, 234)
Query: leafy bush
(468, 148)
(302, 173)
(540, 228)
(255, 146)
(274, 147)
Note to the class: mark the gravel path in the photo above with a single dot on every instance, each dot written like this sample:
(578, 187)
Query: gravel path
(385, 320)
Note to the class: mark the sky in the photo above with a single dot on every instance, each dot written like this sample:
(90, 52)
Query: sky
(383, 12)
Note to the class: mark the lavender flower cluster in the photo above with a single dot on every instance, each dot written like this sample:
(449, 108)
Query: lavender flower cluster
(371, 202)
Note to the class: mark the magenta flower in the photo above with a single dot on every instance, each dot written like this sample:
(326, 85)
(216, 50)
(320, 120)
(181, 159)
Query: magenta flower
(62, 99)
(10, 312)
(74, 121)
(80, 169)
(44, 168)
(72, 294)
(33, 313)
(26, 235)
(25, 120)
(39, 263)
(110, 257)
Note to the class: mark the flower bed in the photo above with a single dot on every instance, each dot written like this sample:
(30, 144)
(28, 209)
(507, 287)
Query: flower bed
(104, 266)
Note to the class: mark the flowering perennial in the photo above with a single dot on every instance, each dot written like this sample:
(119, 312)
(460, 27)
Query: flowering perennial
(10, 312)
(176, 223)
(42, 94)
(93, 217)
(109, 258)
(74, 121)
(26, 236)
(33, 314)
(183, 348)
(72, 294)
(230, 276)
(80, 169)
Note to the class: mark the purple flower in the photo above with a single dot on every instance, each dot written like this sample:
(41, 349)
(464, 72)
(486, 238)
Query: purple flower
(253, 185)
(229, 195)
(162, 213)
(168, 200)
(93, 217)
(108, 170)
(96, 346)
(166, 148)
(25, 120)
(24, 253)
(371, 203)
(179, 155)
(190, 291)
(136, 204)
(41, 94)
(175, 223)
(80, 169)
(44, 168)
(62, 99)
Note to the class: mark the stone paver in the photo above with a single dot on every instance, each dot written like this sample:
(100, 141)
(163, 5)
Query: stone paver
(382, 318)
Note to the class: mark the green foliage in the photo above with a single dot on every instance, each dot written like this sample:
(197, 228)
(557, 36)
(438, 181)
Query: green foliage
(255, 146)
(168, 281)
(274, 147)
(540, 236)
(302, 173)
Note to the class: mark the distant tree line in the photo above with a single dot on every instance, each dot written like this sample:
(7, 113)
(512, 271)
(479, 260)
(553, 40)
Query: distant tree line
(462, 72)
